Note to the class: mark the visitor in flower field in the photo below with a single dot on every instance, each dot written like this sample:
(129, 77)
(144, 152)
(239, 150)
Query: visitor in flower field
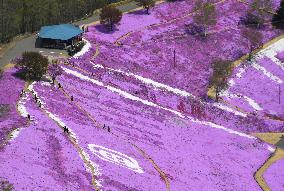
(39, 104)
(66, 130)
(29, 117)
(72, 98)
(22, 93)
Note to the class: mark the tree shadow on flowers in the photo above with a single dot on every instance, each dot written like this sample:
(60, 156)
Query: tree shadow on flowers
(139, 12)
(23, 75)
(104, 29)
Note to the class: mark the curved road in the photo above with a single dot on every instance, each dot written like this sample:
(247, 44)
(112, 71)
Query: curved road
(28, 44)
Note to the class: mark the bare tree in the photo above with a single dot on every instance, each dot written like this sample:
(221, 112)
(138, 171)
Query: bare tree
(205, 14)
(257, 14)
(222, 69)
(261, 8)
(255, 39)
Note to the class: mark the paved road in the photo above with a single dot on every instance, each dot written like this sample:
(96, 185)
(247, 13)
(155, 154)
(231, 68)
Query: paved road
(28, 44)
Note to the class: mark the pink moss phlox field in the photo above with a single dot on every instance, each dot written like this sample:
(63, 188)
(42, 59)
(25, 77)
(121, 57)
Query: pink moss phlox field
(10, 87)
(128, 134)
(192, 68)
(266, 93)
(41, 158)
(113, 176)
(172, 142)
(274, 175)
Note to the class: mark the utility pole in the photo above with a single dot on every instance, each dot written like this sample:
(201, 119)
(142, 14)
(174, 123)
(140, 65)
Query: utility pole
(279, 93)
(174, 57)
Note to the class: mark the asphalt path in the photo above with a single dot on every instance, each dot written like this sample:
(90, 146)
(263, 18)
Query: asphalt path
(28, 44)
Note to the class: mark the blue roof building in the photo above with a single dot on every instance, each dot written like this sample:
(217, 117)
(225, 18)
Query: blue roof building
(59, 36)
(60, 32)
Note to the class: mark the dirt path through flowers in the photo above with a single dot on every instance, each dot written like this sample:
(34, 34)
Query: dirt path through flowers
(272, 138)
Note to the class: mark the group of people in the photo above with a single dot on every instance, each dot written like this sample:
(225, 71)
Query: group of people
(66, 130)
(37, 101)
(108, 128)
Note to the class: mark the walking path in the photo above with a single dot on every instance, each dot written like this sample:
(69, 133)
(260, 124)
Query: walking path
(272, 138)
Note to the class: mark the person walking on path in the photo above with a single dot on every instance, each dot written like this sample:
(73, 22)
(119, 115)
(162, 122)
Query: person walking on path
(39, 104)
(66, 130)
(22, 93)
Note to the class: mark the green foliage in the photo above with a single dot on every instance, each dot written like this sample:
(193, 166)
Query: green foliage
(205, 14)
(147, 4)
(33, 64)
(278, 18)
(110, 16)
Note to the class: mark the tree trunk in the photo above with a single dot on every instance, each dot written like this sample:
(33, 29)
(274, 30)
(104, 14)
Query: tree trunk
(217, 94)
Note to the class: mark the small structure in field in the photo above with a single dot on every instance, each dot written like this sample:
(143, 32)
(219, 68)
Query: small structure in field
(59, 36)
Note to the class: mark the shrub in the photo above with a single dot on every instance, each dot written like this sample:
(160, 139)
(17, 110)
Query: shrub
(110, 16)
(32, 64)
